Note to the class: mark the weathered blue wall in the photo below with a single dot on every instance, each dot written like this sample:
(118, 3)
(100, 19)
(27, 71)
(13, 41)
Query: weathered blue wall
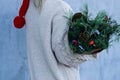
(106, 66)
(13, 64)
(12, 48)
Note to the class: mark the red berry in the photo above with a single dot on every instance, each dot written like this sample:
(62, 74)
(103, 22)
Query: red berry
(92, 42)
(75, 42)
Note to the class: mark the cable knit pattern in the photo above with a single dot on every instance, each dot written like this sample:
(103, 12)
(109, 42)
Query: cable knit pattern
(49, 55)
(60, 40)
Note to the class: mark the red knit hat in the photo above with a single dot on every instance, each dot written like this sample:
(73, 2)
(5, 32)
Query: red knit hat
(19, 21)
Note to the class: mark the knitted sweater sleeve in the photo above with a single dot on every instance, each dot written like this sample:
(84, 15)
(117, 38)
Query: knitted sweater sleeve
(60, 45)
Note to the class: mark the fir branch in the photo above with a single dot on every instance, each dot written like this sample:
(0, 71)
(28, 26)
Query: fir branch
(100, 30)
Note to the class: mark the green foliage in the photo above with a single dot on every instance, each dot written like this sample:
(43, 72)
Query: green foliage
(100, 30)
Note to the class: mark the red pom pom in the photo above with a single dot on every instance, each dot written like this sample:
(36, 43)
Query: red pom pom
(19, 22)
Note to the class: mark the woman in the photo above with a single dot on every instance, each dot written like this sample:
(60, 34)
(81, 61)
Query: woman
(49, 55)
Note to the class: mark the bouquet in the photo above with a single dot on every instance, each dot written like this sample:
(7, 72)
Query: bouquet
(91, 35)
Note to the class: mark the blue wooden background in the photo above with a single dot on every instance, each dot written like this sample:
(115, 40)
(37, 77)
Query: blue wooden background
(13, 59)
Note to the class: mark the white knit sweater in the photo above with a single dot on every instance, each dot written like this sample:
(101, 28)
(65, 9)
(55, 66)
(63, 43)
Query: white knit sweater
(49, 56)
